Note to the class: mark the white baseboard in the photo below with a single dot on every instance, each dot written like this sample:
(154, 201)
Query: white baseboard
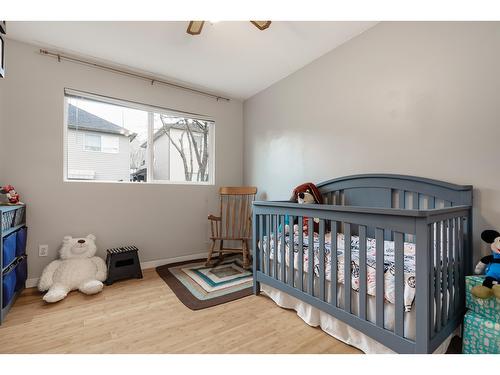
(30, 283)
(161, 262)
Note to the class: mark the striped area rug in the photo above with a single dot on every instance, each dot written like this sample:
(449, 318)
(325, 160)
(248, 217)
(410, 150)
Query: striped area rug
(199, 287)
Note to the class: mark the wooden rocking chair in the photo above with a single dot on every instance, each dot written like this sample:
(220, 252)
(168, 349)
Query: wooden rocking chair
(234, 222)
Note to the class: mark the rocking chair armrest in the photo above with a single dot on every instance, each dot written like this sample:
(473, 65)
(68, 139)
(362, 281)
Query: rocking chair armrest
(214, 218)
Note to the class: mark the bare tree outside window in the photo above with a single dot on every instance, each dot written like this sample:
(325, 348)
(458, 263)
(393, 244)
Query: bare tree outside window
(191, 145)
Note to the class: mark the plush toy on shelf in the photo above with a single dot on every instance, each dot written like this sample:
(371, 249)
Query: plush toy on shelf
(77, 268)
(12, 195)
(307, 193)
(490, 264)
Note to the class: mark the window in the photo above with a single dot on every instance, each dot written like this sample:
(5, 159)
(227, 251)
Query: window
(92, 142)
(114, 140)
(102, 143)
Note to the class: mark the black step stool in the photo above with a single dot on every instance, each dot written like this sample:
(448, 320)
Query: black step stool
(123, 263)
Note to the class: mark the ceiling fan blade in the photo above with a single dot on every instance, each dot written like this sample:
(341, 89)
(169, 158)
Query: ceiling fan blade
(195, 27)
(261, 25)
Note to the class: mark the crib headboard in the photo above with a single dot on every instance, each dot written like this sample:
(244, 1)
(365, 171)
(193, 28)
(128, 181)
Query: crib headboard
(394, 191)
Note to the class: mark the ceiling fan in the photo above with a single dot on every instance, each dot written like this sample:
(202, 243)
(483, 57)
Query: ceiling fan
(195, 27)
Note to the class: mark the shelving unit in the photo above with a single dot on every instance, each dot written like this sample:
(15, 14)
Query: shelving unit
(13, 258)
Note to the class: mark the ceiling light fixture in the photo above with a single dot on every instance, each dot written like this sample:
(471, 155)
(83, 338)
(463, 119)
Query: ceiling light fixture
(195, 27)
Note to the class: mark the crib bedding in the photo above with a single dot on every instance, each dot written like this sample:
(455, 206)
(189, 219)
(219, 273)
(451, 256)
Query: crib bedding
(342, 331)
(389, 290)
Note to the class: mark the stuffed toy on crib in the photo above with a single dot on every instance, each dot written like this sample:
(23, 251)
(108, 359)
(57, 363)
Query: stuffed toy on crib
(306, 193)
(77, 268)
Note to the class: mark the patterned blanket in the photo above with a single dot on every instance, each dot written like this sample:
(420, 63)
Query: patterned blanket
(389, 290)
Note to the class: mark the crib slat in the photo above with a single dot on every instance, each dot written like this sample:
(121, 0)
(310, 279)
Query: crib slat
(300, 284)
(379, 277)
(433, 277)
(270, 234)
(415, 201)
(401, 195)
(451, 261)
(261, 243)
(431, 202)
(310, 256)
(347, 267)
(283, 260)
(321, 259)
(268, 250)
(456, 262)
(399, 283)
(276, 246)
(437, 290)
(274, 252)
(461, 258)
(333, 264)
(291, 256)
(337, 198)
(444, 309)
(362, 272)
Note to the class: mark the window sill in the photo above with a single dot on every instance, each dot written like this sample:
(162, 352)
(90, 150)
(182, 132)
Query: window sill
(140, 183)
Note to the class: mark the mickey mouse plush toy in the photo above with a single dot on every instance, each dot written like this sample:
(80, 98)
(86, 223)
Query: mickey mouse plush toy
(490, 263)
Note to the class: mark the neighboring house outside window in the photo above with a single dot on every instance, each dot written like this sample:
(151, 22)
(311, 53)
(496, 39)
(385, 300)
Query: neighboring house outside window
(96, 149)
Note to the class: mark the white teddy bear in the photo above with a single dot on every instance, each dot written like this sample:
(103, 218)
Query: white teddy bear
(77, 268)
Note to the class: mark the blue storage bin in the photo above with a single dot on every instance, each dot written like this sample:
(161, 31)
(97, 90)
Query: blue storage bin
(19, 216)
(21, 273)
(8, 287)
(9, 249)
(8, 219)
(21, 241)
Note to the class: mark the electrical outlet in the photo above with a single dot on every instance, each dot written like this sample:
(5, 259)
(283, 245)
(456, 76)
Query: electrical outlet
(43, 250)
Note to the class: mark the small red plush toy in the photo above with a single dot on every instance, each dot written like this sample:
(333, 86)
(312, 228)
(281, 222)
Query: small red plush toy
(11, 194)
(307, 193)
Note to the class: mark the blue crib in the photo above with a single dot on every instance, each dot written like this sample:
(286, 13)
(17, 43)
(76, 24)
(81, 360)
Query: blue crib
(434, 216)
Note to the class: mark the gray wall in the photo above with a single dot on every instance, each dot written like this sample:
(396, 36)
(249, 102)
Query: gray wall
(412, 98)
(164, 221)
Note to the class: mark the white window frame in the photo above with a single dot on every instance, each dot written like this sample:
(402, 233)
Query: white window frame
(151, 109)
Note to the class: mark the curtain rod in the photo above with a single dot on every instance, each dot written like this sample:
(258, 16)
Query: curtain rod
(60, 57)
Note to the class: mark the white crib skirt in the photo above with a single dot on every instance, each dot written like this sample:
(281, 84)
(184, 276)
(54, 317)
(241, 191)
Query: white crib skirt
(342, 331)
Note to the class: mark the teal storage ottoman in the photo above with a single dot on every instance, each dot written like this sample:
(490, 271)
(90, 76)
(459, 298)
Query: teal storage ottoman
(481, 335)
(488, 308)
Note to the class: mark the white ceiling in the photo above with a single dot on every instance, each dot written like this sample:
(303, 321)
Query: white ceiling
(231, 58)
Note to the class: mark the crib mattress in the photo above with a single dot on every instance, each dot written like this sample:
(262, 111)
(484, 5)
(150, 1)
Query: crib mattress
(389, 288)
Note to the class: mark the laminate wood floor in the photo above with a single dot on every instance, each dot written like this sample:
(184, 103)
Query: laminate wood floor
(144, 316)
